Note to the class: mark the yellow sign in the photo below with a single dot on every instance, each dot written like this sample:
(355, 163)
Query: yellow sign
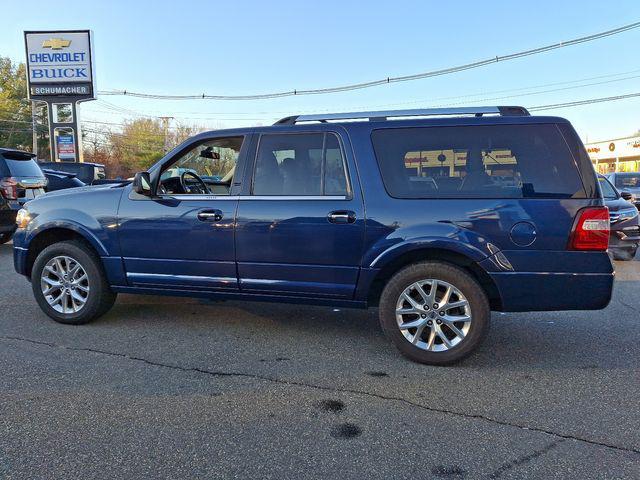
(56, 43)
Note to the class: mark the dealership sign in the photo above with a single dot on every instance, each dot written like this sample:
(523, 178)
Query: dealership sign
(618, 148)
(60, 63)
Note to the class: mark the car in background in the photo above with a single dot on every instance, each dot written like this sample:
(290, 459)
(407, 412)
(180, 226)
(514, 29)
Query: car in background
(627, 183)
(88, 173)
(58, 180)
(623, 218)
(21, 180)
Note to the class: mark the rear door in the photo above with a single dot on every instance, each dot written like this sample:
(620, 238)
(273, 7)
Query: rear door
(300, 222)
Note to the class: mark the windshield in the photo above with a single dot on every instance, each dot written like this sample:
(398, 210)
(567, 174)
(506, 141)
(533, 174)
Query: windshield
(628, 181)
(23, 168)
(607, 189)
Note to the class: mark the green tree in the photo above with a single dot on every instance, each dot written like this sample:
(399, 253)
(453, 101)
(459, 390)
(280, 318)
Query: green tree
(15, 110)
(138, 145)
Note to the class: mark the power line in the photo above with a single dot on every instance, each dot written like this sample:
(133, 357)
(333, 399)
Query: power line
(584, 102)
(388, 80)
(468, 98)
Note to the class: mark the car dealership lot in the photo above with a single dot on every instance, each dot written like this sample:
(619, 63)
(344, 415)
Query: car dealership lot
(167, 387)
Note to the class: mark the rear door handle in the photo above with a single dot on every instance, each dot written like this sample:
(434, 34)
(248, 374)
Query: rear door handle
(342, 216)
(210, 215)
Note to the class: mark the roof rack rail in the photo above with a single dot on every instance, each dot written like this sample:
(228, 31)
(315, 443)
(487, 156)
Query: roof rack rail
(385, 114)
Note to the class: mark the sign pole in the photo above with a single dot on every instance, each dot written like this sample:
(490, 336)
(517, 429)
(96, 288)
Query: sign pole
(34, 125)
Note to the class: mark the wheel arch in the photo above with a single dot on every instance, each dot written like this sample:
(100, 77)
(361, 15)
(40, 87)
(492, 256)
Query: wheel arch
(59, 233)
(445, 255)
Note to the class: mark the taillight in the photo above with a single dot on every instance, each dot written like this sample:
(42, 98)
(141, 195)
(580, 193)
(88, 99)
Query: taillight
(590, 230)
(9, 188)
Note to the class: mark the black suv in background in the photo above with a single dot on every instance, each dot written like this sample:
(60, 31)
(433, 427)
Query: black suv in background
(623, 218)
(88, 173)
(21, 180)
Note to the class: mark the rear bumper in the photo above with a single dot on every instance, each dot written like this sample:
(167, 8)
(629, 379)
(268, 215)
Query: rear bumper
(525, 292)
(552, 280)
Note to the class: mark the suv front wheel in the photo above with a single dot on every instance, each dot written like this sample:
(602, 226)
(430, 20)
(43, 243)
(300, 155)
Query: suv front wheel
(69, 283)
(434, 313)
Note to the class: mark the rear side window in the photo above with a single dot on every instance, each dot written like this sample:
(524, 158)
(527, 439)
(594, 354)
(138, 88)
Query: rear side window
(628, 181)
(23, 168)
(493, 161)
(300, 165)
(607, 189)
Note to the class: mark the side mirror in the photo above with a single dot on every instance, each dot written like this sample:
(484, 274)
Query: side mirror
(142, 184)
(626, 195)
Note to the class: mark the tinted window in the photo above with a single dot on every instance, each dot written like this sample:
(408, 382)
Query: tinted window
(628, 181)
(506, 161)
(23, 168)
(607, 188)
(299, 164)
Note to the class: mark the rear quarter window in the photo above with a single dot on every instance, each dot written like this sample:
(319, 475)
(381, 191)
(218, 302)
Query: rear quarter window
(492, 161)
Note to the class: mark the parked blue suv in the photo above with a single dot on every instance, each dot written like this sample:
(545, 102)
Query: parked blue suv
(435, 216)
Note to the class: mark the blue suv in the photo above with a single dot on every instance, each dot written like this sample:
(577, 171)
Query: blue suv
(434, 216)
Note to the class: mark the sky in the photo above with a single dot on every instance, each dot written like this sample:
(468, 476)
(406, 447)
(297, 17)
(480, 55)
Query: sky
(249, 47)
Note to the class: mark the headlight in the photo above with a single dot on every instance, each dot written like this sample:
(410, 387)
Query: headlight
(23, 218)
(628, 214)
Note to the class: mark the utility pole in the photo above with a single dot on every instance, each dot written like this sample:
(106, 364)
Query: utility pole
(34, 123)
(165, 126)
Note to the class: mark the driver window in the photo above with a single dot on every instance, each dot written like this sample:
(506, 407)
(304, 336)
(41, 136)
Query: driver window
(206, 169)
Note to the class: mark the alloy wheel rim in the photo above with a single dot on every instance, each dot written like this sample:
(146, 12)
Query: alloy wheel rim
(433, 315)
(65, 284)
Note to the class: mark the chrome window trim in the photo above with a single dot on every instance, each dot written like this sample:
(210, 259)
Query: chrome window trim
(254, 197)
(186, 196)
(295, 197)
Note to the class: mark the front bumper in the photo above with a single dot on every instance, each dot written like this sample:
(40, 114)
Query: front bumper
(20, 253)
(627, 238)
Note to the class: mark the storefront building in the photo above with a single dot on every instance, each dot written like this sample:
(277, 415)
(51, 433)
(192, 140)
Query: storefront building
(617, 155)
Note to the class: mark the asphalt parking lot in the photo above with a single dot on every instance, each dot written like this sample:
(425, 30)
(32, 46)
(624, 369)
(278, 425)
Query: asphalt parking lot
(175, 388)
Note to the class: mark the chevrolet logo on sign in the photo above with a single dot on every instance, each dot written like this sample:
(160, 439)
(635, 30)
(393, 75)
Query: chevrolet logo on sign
(56, 43)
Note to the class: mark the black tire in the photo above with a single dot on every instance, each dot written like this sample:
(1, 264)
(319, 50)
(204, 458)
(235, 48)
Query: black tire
(100, 297)
(5, 237)
(465, 283)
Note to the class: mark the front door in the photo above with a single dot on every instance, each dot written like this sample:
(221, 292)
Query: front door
(300, 227)
(184, 236)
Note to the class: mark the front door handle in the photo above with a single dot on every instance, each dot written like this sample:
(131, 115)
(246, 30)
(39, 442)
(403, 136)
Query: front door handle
(342, 216)
(210, 215)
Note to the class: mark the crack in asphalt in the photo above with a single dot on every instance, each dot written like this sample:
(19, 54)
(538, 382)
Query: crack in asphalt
(627, 305)
(255, 376)
(505, 467)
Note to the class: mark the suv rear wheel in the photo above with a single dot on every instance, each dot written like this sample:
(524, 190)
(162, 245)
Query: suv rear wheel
(5, 237)
(434, 313)
(69, 284)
